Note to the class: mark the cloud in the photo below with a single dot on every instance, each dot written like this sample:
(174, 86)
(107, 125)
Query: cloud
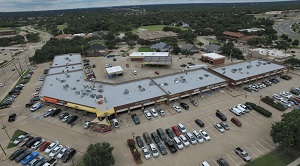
(38, 5)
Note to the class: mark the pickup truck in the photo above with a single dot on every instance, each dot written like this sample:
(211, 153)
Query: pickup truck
(51, 162)
(244, 155)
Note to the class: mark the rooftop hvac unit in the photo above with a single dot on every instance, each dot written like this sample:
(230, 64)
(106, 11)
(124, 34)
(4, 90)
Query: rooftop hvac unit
(139, 86)
(142, 89)
(201, 78)
(240, 69)
(93, 95)
(126, 92)
(269, 62)
(99, 96)
(68, 75)
(161, 85)
(181, 77)
(264, 63)
(70, 54)
(77, 92)
(223, 68)
(176, 81)
(206, 75)
(100, 85)
(233, 70)
(151, 83)
(73, 88)
(62, 80)
(88, 90)
(100, 90)
(166, 84)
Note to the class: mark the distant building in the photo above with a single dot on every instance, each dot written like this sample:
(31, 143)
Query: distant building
(244, 39)
(97, 50)
(64, 36)
(233, 35)
(189, 47)
(114, 71)
(258, 52)
(213, 48)
(161, 46)
(139, 56)
(8, 32)
(100, 33)
(213, 58)
(251, 30)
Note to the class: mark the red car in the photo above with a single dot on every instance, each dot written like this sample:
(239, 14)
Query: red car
(176, 130)
(156, 72)
(236, 121)
(44, 146)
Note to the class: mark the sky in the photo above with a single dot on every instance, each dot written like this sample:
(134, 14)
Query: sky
(39, 5)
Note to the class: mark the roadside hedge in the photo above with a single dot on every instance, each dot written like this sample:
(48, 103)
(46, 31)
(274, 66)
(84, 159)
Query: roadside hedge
(260, 109)
(271, 102)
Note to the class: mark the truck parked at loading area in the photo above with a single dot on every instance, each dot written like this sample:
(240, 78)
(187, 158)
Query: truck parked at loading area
(244, 155)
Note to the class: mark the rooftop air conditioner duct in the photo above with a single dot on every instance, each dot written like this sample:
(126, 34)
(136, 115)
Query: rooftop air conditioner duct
(126, 92)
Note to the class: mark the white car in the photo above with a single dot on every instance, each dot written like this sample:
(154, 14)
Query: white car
(154, 150)
(277, 97)
(55, 151)
(198, 137)
(1, 84)
(204, 135)
(35, 94)
(184, 140)
(243, 108)
(51, 146)
(134, 72)
(219, 127)
(147, 114)
(191, 138)
(37, 144)
(48, 112)
(154, 112)
(161, 112)
(178, 143)
(65, 118)
(286, 94)
(181, 128)
(19, 139)
(177, 108)
(285, 103)
(146, 153)
(62, 152)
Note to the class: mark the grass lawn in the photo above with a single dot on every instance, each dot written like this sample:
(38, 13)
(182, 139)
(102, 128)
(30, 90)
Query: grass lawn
(145, 49)
(80, 163)
(99, 42)
(156, 27)
(15, 136)
(275, 158)
(4, 28)
(61, 27)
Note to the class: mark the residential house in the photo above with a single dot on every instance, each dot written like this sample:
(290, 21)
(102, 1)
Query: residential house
(100, 33)
(189, 47)
(97, 50)
(161, 46)
(232, 35)
(213, 48)
(245, 38)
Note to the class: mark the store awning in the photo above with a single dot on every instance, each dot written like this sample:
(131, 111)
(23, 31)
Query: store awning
(51, 100)
(106, 112)
(84, 108)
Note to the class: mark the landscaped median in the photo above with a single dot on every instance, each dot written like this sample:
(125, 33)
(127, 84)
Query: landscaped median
(270, 101)
(260, 109)
(14, 137)
(134, 151)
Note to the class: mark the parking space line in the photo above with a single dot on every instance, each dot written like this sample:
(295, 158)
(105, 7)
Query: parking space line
(262, 146)
(190, 126)
(232, 159)
(214, 161)
(269, 139)
(267, 143)
(125, 121)
(212, 132)
(251, 151)
(256, 148)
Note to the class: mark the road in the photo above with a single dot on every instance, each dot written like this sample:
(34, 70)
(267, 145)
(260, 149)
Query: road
(284, 27)
(7, 76)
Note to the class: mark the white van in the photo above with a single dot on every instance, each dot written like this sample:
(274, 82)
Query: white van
(116, 123)
(241, 108)
(178, 143)
(235, 111)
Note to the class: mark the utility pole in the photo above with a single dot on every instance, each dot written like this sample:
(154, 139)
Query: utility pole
(2, 149)
(4, 128)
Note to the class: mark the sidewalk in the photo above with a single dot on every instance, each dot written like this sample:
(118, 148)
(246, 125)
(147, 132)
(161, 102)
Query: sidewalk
(295, 163)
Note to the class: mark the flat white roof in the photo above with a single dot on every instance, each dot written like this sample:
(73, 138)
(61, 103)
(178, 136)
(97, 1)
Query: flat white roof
(214, 56)
(143, 54)
(62, 69)
(66, 59)
(244, 70)
(188, 80)
(272, 52)
(114, 69)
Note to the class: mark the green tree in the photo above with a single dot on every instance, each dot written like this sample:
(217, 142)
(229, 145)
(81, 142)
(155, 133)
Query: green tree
(287, 131)
(131, 43)
(99, 154)
(176, 50)
(295, 42)
(282, 45)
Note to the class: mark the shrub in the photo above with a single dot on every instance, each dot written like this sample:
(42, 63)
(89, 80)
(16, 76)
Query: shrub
(260, 109)
(137, 155)
(270, 101)
(131, 143)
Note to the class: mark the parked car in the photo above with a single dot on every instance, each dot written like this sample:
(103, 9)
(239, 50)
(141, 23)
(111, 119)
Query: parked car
(170, 133)
(204, 135)
(20, 138)
(286, 77)
(205, 163)
(32, 141)
(61, 116)
(147, 114)
(68, 155)
(44, 146)
(182, 128)
(235, 111)
(28, 138)
(30, 157)
(244, 155)
(198, 136)
(248, 89)
(62, 152)
(184, 106)
(35, 161)
(184, 140)
(17, 153)
(162, 148)
(176, 130)
(195, 103)
(161, 134)
(154, 112)
(147, 138)
(146, 153)
(51, 146)
(154, 150)
(155, 137)
(221, 115)
(37, 144)
(135, 119)
(199, 122)
(156, 72)
(22, 155)
(55, 112)
(177, 109)
(235, 121)
(191, 138)
(72, 119)
(161, 112)
(66, 118)
(48, 112)
(219, 127)
(55, 151)
(170, 144)
(139, 141)
(225, 125)
(87, 124)
(36, 106)
(222, 162)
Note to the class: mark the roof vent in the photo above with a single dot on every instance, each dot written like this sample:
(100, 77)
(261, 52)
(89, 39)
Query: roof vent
(78, 80)
(166, 84)
(268, 62)
(183, 80)
(223, 68)
(68, 75)
(73, 88)
(161, 85)
(264, 63)
(206, 75)
(233, 70)
(126, 92)
(77, 92)
(176, 81)
(151, 83)
(201, 78)
(62, 80)
(240, 69)
(224, 72)
(247, 73)
(99, 96)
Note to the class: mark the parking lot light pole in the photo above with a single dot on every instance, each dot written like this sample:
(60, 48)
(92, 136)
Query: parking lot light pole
(259, 100)
(2, 149)
(4, 128)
